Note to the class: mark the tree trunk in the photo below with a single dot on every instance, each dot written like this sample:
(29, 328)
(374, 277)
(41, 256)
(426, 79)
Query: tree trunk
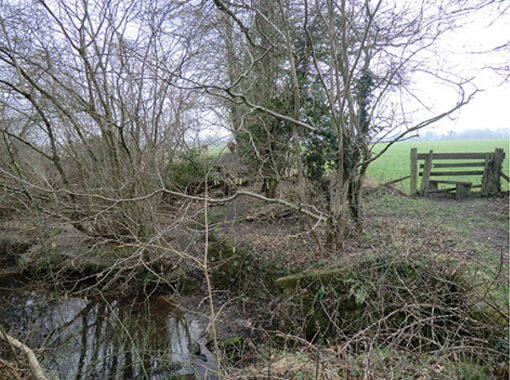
(337, 219)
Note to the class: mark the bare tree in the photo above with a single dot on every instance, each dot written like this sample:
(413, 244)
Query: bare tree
(97, 97)
(350, 60)
(83, 89)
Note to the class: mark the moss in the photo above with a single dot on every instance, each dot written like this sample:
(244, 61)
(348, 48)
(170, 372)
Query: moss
(233, 269)
(187, 285)
(232, 348)
(295, 280)
(326, 301)
(14, 246)
(304, 294)
(236, 270)
(188, 376)
(225, 262)
(44, 259)
(220, 248)
(215, 215)
(230, 343)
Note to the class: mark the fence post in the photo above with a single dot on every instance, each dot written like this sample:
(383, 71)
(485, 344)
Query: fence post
(414, 170)
(426, 173)
(496, 176)
(491, 182)
(486, 179)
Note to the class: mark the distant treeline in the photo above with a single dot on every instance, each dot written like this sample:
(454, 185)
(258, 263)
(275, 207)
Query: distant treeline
(470, 134)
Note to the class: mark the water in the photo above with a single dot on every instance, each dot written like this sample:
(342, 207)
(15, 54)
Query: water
(107, 338)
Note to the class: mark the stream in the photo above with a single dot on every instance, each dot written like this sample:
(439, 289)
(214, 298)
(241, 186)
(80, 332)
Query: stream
(107, 338)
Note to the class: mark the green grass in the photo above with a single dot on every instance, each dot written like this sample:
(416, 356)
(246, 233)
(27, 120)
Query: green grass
(395, 163)
(214, 152)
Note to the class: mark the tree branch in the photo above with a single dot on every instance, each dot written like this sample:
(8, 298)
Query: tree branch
(34, 364)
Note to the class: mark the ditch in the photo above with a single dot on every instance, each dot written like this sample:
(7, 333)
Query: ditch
(107, 337)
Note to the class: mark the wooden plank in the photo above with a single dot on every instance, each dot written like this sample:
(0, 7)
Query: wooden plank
(445, 174)
(453, 156)
(445, 190)
(414, 170)
(451, 182)
(504, 176)
(426, 173)
(432, 186)
(463, 190)
(457, 165)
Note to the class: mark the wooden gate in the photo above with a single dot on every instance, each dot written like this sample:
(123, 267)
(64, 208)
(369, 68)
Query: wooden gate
(485, 165)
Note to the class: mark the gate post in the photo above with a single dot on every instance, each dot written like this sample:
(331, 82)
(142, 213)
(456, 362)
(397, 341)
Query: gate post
(491, 182)
(426, 173)
(496, 175)
(414, 170)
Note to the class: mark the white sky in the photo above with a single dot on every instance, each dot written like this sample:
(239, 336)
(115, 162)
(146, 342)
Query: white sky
(482, 32)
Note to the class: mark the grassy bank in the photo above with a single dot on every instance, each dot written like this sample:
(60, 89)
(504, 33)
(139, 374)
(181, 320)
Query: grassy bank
(395, 163)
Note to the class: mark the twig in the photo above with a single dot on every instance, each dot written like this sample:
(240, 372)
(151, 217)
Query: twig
(35, 367)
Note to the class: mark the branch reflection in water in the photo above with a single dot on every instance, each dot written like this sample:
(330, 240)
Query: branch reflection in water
(108, 338)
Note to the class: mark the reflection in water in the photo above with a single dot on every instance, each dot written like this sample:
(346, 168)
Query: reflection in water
(107, 339)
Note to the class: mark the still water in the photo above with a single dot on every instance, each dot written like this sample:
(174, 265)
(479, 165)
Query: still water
(107, 338)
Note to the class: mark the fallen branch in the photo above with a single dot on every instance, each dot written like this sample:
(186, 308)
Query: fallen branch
(272, 214)
(305, 209)
(396, 181)
(35, 367)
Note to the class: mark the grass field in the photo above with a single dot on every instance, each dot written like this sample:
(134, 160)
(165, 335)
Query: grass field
(395, 163)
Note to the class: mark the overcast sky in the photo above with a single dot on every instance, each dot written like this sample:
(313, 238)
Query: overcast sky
(482, 32)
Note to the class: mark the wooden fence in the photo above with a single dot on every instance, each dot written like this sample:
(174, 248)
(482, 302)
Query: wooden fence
(485, 165)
